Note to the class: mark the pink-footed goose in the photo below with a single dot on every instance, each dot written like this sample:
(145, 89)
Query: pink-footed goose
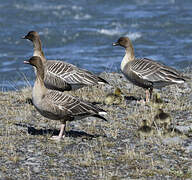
(145, 72)
(59, 75)
(58, 105)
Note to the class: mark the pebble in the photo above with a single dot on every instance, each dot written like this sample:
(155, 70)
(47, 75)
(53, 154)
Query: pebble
(184, 129)
(36, 169)
(173, 140)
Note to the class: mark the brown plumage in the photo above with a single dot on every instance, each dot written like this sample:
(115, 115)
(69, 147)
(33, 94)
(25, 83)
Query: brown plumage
(145, 130)
(162, 119)
(58, 105)
(60, 75)
(147, 73)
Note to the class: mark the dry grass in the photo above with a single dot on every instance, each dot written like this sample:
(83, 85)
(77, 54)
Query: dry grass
(95, 149)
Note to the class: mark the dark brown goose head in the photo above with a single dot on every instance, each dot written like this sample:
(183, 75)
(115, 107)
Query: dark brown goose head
(32, 36)
(159, 111)
(162, 115)
(123, 41)
(35, 61)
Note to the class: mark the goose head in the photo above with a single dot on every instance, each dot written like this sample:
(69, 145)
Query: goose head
(124, 42)
(32, 36)
(35, 61)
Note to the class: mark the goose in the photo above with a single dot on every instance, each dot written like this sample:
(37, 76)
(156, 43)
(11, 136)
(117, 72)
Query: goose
(145, 130)
(58, 105)
(114, 98)
(145, 72)
(162, 119)
(60, 75)
(157, 98)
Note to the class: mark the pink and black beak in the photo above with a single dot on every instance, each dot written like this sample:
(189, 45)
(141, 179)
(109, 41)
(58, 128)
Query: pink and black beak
(26, 62)
(116, 44)
(24, 37)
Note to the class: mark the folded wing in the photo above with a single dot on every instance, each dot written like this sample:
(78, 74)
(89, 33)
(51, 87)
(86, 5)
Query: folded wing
(66, 105)
(71, 75)
(155, 72)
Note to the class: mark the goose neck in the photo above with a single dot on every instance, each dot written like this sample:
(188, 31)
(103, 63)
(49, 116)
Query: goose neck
(129, 56)
(39, 88)
(38, 49)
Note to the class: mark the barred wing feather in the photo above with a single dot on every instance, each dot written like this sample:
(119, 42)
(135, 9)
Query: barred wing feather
(70, 105)
(155, 72)
(70, 73)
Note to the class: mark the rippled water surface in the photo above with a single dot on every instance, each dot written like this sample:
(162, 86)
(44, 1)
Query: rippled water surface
(81, 32)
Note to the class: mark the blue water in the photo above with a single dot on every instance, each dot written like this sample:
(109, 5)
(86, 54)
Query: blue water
(81, 32)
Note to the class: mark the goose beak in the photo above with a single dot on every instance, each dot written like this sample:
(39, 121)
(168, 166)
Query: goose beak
(115, 44)
(24, 37)
(26, 62)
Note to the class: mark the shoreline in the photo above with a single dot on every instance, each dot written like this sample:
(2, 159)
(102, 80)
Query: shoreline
(94, 149)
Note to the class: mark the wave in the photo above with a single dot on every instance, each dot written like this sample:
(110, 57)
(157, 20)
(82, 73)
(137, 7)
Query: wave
(111, 32)
(36, 7)
(45, 6)
(132, 35)
(82, 16)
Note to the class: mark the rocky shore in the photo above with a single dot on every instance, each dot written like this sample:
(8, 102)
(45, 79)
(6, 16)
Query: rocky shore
(94, 149)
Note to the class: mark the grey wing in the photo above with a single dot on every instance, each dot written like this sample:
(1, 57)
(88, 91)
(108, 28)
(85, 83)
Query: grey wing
(71, 105)
(55, 83)
(71, 74)
(155, 72)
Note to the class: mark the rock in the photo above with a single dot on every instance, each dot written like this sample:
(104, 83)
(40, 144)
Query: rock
(36, 169)
(184, 129)
(173, 140)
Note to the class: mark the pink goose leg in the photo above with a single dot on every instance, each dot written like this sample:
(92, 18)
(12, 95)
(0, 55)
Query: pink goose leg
(62, 131)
